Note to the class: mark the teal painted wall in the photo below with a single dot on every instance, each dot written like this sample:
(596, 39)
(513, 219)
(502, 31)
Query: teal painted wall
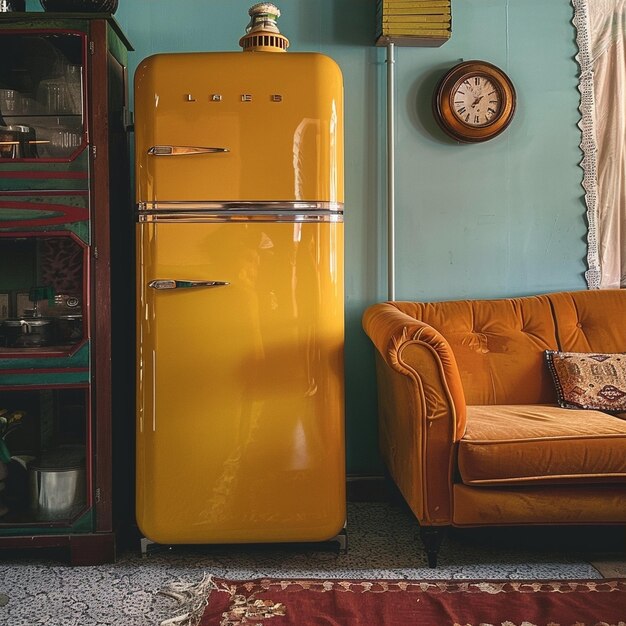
(503, 218)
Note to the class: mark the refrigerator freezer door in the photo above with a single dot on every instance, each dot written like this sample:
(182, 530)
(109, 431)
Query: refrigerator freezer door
(240, 387)
(226, 126)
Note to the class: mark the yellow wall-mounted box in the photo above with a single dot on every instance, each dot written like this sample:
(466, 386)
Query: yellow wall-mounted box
(413, 22)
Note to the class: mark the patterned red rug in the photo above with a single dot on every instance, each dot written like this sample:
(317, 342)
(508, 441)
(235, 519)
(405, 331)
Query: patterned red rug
(268, 602)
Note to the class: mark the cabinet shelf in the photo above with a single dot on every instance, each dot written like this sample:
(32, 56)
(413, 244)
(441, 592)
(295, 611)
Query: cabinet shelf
(35, 116)
(26, 518)
(40, 351)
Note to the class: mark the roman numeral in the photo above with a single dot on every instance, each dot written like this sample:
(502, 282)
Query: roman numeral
(467, 118)
(462, 110)
(476, 80)
(476, 119)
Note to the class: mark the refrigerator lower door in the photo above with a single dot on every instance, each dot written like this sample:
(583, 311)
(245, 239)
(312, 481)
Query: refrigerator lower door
(240, 434)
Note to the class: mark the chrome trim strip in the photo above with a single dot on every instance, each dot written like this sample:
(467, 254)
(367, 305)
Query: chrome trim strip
(249, 216)
(244, 206)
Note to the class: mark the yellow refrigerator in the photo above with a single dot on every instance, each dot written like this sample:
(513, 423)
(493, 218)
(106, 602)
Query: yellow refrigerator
(240, 315)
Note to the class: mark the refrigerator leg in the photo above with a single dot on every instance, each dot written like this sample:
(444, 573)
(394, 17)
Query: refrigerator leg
(145, 545)
(342, 540)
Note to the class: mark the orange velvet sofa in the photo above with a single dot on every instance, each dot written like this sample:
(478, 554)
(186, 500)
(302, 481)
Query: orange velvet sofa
(469, 425)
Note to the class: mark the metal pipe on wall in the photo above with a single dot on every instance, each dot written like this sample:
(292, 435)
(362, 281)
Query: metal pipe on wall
(391, 183)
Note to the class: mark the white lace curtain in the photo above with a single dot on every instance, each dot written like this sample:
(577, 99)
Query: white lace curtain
(601, 32)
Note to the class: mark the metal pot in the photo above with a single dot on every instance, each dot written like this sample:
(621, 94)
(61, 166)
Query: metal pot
(17, 142)
(57, 483)
(28, 332)
(69, 329)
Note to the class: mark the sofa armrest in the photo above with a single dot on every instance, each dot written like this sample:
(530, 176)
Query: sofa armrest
(422, 409)
(397, 337)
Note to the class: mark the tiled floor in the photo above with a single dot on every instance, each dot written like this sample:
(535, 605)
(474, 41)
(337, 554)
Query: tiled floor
(43, 590)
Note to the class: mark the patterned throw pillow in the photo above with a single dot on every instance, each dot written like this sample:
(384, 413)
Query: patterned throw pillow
(587, 380)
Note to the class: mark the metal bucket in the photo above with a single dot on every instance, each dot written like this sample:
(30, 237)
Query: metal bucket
(57, 483)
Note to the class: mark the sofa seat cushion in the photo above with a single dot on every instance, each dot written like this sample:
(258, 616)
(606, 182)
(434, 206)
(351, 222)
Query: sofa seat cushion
(541, 444)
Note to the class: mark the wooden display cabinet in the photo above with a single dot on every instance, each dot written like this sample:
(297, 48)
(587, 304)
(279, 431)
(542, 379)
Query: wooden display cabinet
(66, 304)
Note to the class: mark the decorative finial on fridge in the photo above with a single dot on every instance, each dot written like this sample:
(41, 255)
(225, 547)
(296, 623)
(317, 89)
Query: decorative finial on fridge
(262, 33)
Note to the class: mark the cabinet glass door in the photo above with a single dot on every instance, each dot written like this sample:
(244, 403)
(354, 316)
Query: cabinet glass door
(46, 433)
(41, 96)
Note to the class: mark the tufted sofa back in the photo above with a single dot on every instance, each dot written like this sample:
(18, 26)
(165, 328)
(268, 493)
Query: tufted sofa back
(499, 344)
(590, 321)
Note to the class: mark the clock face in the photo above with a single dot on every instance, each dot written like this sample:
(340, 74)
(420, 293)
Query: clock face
(476, 101)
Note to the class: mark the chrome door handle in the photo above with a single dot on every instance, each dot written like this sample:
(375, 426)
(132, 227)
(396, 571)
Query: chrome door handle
(183, 150)
(168, 283)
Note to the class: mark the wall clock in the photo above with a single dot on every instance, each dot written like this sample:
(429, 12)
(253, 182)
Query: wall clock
(474, 101)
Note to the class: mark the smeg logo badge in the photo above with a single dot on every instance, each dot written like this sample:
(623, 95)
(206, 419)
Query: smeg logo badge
(244, 97)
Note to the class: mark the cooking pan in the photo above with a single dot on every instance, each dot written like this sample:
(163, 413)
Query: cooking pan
(17, 142)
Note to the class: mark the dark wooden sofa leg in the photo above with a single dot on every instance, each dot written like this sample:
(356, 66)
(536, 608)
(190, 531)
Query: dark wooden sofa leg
(431, 537)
